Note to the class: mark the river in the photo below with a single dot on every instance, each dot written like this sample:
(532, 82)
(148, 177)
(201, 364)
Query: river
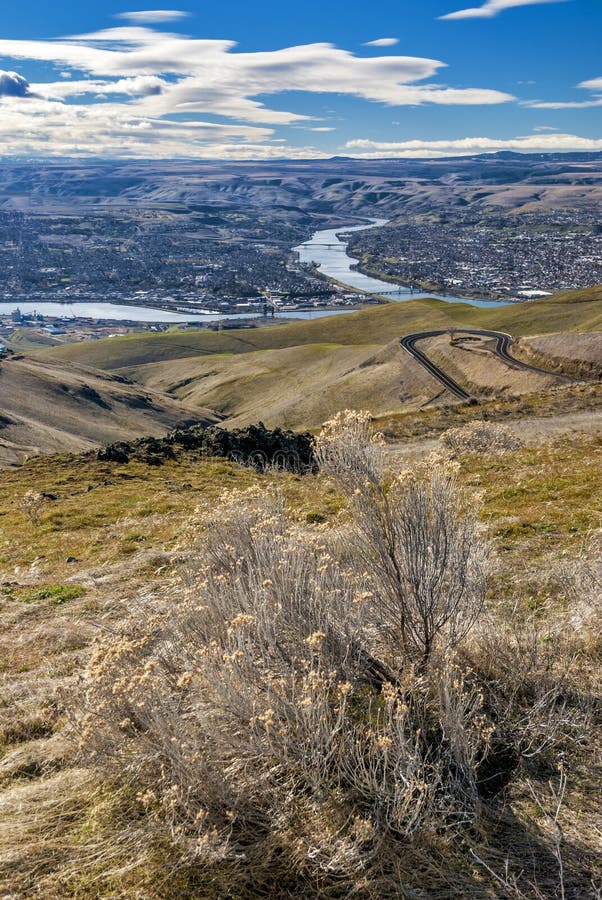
(324, 248)
(329, 252)
(120, 313)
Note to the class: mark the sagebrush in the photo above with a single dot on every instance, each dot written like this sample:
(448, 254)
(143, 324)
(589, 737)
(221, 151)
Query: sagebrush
(332, 711)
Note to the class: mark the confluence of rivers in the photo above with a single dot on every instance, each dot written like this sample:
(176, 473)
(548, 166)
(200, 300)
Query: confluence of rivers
(324, 248)
(329, 252)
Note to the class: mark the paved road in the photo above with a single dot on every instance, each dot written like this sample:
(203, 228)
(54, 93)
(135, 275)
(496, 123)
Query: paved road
(503, 343)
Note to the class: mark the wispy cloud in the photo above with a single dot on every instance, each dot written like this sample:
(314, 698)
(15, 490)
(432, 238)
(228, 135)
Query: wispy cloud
(382, 42)
(563, 104)
(493, 8)
(140, 91)
(594, 85)
(532, 143)
(153, 16)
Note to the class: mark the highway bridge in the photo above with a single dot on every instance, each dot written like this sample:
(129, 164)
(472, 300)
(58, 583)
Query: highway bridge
(402, 289)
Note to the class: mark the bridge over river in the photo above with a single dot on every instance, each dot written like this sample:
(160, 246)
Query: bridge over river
(329, 252)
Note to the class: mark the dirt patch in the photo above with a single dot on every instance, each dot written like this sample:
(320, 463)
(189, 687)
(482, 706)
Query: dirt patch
(573, 354)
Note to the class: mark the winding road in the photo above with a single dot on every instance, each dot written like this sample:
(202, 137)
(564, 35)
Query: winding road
(503, 343)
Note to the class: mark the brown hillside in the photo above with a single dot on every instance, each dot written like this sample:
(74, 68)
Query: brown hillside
(580, 354)
(46, 408)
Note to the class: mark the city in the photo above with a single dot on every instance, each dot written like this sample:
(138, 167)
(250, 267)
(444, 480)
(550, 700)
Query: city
(498, 257)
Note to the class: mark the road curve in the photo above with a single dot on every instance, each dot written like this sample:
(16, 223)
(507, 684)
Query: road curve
(409, 345)
(503, 343)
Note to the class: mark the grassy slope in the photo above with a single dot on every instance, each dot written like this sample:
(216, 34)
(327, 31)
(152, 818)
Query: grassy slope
(126, 526)
(578, 311)
(299, 374)
(46, 406)
(297, 387)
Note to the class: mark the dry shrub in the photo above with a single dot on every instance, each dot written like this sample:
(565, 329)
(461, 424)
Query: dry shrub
(417, 535)
(348, 449)
(480, 437)
(295, 718)
(32, 505)
(296, 714)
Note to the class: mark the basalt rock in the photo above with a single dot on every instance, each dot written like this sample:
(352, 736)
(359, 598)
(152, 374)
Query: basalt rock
(255, 446)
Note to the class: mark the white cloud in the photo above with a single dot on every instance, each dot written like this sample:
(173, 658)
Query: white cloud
(131, 81)
(13, 85)
(594, 84)
(153, 16)
(139, 86)
(532, 143)
(382, 42)
(493, 8)
(209, 67)
(569, 104)
(109, 129)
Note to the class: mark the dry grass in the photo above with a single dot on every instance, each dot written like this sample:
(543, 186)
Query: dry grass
(554, 405)
(65, 833)
(348, 361)
(480, 437)
(52, 408)
(265, 384)
(576, 311)
(577, 354)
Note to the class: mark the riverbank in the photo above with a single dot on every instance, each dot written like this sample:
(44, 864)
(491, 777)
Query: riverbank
(116, 313)
(327, 251)
(431, 289)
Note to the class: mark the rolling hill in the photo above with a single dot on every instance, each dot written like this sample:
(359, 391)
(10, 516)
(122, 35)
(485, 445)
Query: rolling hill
(297, 190)
(299, 374)
(48, 407)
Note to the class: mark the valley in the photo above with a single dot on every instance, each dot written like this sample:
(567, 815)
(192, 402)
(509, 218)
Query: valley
(301, 373)
(53, 408)
(175, 236)
(142, 549)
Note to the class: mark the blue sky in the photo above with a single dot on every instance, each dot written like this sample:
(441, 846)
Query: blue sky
(242, 80)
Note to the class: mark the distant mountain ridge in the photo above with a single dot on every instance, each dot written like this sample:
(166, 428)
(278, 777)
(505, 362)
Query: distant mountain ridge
(318, 188)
